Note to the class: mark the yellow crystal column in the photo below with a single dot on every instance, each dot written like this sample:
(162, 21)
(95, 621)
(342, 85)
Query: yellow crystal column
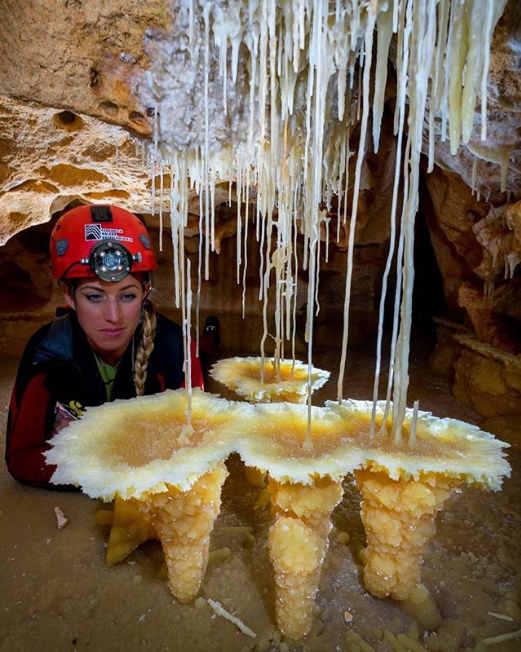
(130, 528)
(183, 521)
(298, 543)
(398, 517)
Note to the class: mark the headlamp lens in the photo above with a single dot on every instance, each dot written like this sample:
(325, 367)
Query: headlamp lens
(110, 261)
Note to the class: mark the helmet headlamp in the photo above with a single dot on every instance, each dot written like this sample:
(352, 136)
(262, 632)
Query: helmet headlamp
(111, 261)
(106, 241)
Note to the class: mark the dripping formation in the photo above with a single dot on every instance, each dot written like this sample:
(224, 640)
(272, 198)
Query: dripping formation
(267, 95)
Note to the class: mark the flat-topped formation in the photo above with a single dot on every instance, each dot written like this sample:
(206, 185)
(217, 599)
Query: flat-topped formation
(166, 453)
(259, 380)
(131, 448)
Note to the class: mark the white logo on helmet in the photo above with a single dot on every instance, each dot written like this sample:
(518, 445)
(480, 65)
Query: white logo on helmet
(99, 232)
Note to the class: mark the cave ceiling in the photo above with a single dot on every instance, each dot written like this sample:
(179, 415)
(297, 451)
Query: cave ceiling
(77, 105)
(75, 96)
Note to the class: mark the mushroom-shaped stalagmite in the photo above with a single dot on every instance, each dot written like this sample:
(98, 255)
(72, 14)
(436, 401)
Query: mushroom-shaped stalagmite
(164, 464)
(305, 486)
(163, 461)
(404, 485)
(268, 381)
(306, 454)
(259, 380)
(181, 520)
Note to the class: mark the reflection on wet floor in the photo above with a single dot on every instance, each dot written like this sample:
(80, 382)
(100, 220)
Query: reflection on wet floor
(56, 593)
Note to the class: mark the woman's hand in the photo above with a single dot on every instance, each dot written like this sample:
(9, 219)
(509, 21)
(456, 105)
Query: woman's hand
(62, 418)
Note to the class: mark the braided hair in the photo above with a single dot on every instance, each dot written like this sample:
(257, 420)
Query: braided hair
(145, 347)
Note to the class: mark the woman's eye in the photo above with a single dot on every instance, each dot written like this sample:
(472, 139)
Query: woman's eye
(128, 297)
(94, 298)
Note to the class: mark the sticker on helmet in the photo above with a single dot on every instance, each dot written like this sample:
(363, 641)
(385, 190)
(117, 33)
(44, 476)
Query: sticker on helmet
(99, 232)
(62, 246)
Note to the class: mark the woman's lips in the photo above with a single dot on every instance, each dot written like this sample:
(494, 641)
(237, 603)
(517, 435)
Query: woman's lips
(112, 332)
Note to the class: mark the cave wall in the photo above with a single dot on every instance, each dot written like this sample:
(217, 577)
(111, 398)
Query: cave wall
(73, 120)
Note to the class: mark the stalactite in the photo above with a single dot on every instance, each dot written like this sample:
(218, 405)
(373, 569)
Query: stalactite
(306, 67)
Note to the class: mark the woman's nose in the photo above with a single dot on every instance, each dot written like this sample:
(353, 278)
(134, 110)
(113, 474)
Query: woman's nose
(112, 310)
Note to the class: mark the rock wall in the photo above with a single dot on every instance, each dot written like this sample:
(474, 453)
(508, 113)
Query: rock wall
(72, 126)
(83, 56)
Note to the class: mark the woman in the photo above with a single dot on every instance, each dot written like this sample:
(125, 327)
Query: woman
(108, 343)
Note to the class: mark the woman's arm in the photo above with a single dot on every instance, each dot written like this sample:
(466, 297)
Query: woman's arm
(31, 423)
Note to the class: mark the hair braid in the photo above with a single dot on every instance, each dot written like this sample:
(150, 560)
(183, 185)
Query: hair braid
(146, 346)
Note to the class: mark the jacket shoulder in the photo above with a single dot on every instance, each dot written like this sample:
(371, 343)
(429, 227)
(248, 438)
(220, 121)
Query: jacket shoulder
(168, 353)
(54, 340)
(50, 342)
(34, 343)
(167, 328)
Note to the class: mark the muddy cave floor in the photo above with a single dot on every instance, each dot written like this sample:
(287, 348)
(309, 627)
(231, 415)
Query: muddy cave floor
(57, 594)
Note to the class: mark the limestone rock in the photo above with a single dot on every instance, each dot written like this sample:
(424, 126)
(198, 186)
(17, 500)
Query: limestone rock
(507, 428)
(488, 326)
(52, 158)
(487, 380)
(451, 212)
(82, 56)
(447, 350)
(477, 249)
(499, 233)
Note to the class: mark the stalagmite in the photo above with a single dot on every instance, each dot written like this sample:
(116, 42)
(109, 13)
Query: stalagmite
(403, 487)
(183, 521)
(296, 552)
(166, 478)
(298, 543)
(398, 517)
(301, 501)
(170, 477)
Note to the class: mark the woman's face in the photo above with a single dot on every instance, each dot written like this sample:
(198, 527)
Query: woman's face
(108, 313)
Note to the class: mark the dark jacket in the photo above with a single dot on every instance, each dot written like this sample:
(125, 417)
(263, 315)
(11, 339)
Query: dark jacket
(58, 366)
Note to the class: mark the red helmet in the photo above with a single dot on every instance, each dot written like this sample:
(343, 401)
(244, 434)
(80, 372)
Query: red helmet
(104, 241)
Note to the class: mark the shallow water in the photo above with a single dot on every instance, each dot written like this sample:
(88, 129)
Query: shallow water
(57, 594)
